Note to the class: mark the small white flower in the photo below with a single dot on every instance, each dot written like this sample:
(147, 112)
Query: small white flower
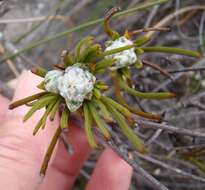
(51, 80)
(75, 85)
(124, 58)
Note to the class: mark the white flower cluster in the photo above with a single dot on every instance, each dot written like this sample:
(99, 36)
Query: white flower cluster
(74, 85)
(124, 58)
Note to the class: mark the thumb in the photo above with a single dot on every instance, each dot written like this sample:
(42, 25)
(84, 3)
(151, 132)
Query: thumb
(21, 153)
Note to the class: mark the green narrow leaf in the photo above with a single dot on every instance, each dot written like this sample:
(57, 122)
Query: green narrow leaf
(42, 121)
(41, 85)
(96, 93)
(171, 50)
(141, 40)
(138, 64)
(26, 100)
(132, 109)
(126, 72)
(101, 85)
(55, 109)
(85, 41)
(91, 52)
(119, 107)
(116, 50)
(39, 71)
(146, 95)
(30, 104)
(64, 118)
(103, 109)
(100, 123)
(68, 59)
(103, 64)
(88, 126)
(42, 102)
(133, 138)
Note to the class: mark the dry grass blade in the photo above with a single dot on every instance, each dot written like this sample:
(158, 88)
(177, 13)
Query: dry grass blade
(157, 67)
(166, 21)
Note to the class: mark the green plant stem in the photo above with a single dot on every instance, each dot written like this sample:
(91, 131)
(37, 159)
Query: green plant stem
(74, 29)
(171, 50)
(146, 95)
(113, 34)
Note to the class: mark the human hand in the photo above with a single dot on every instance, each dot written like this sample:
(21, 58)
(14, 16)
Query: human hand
(21, 153)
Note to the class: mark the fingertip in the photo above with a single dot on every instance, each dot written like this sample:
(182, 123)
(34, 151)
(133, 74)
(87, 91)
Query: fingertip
(111, 172)
(65, 167)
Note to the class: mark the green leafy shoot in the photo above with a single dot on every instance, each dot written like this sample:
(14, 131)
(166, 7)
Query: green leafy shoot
(88, 122)
(127, 131)
(100, 123)
(146, 95)
(64, 119)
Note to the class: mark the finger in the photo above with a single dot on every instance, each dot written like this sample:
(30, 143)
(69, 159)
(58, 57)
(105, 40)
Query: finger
(4, 102)
(21, 153)
(26, 86)
(64, 168)
(111, 172)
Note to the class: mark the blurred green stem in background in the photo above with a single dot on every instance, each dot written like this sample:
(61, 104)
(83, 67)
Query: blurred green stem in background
(84, 25)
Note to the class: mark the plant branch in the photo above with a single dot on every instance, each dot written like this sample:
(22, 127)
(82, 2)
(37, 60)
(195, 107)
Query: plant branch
(170, 128)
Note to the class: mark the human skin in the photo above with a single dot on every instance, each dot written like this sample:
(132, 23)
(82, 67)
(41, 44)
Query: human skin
(21, 153)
